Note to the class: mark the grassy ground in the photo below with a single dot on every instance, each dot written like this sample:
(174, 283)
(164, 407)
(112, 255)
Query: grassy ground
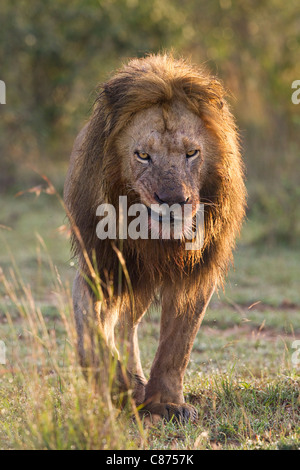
(241, 376)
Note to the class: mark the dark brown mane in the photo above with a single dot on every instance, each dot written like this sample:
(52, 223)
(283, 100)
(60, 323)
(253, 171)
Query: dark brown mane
(158, 80)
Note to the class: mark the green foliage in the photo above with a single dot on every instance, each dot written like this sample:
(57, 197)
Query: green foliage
(54, 54)
(51, 51)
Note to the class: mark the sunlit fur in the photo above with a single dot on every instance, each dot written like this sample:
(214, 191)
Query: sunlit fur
(178, 105)
(97, 175)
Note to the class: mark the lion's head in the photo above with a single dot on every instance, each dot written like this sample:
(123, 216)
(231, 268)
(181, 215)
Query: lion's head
(161, 131)
(163, 150)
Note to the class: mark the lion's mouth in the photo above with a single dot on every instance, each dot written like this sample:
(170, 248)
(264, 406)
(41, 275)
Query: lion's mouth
(164, 214)
(164, 224)
(160, 216)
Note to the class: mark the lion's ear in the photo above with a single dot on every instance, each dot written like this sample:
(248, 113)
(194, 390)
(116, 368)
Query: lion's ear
(108, 92)
(215, 100)
(115, 90)
(216, 93)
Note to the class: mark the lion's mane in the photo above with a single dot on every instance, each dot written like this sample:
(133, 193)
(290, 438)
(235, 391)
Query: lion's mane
(96, 175)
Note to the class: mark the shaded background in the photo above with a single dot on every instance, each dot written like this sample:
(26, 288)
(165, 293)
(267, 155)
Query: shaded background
(54, 54)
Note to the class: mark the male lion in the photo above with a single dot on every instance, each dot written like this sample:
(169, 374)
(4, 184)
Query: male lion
(161, 132)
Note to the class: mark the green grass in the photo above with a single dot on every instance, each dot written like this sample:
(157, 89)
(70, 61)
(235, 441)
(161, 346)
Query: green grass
(241, 377)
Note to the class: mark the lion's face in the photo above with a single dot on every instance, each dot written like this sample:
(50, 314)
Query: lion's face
(163, 155)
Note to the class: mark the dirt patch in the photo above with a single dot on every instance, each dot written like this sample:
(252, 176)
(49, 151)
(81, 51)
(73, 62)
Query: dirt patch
(258, 305)
(247, 331)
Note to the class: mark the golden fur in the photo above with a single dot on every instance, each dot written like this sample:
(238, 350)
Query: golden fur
(98, 174)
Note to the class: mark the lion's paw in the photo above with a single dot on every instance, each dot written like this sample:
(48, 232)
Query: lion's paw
(181, 413)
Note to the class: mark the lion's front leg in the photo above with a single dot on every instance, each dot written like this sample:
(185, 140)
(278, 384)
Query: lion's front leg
(95, 328)
(130, 354)
(99, 353)
(180, 322)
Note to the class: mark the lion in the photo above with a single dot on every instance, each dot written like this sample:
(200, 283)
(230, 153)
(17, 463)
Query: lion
(161, 131)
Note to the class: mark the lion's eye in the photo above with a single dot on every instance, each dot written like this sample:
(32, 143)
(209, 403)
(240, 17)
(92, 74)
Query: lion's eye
(142, 156)
(192, 153)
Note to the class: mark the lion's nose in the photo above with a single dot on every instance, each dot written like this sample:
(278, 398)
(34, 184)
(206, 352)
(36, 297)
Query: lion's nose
(166, 198)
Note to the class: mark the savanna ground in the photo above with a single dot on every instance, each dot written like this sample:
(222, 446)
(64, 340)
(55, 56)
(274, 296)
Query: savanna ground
(241, 376)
